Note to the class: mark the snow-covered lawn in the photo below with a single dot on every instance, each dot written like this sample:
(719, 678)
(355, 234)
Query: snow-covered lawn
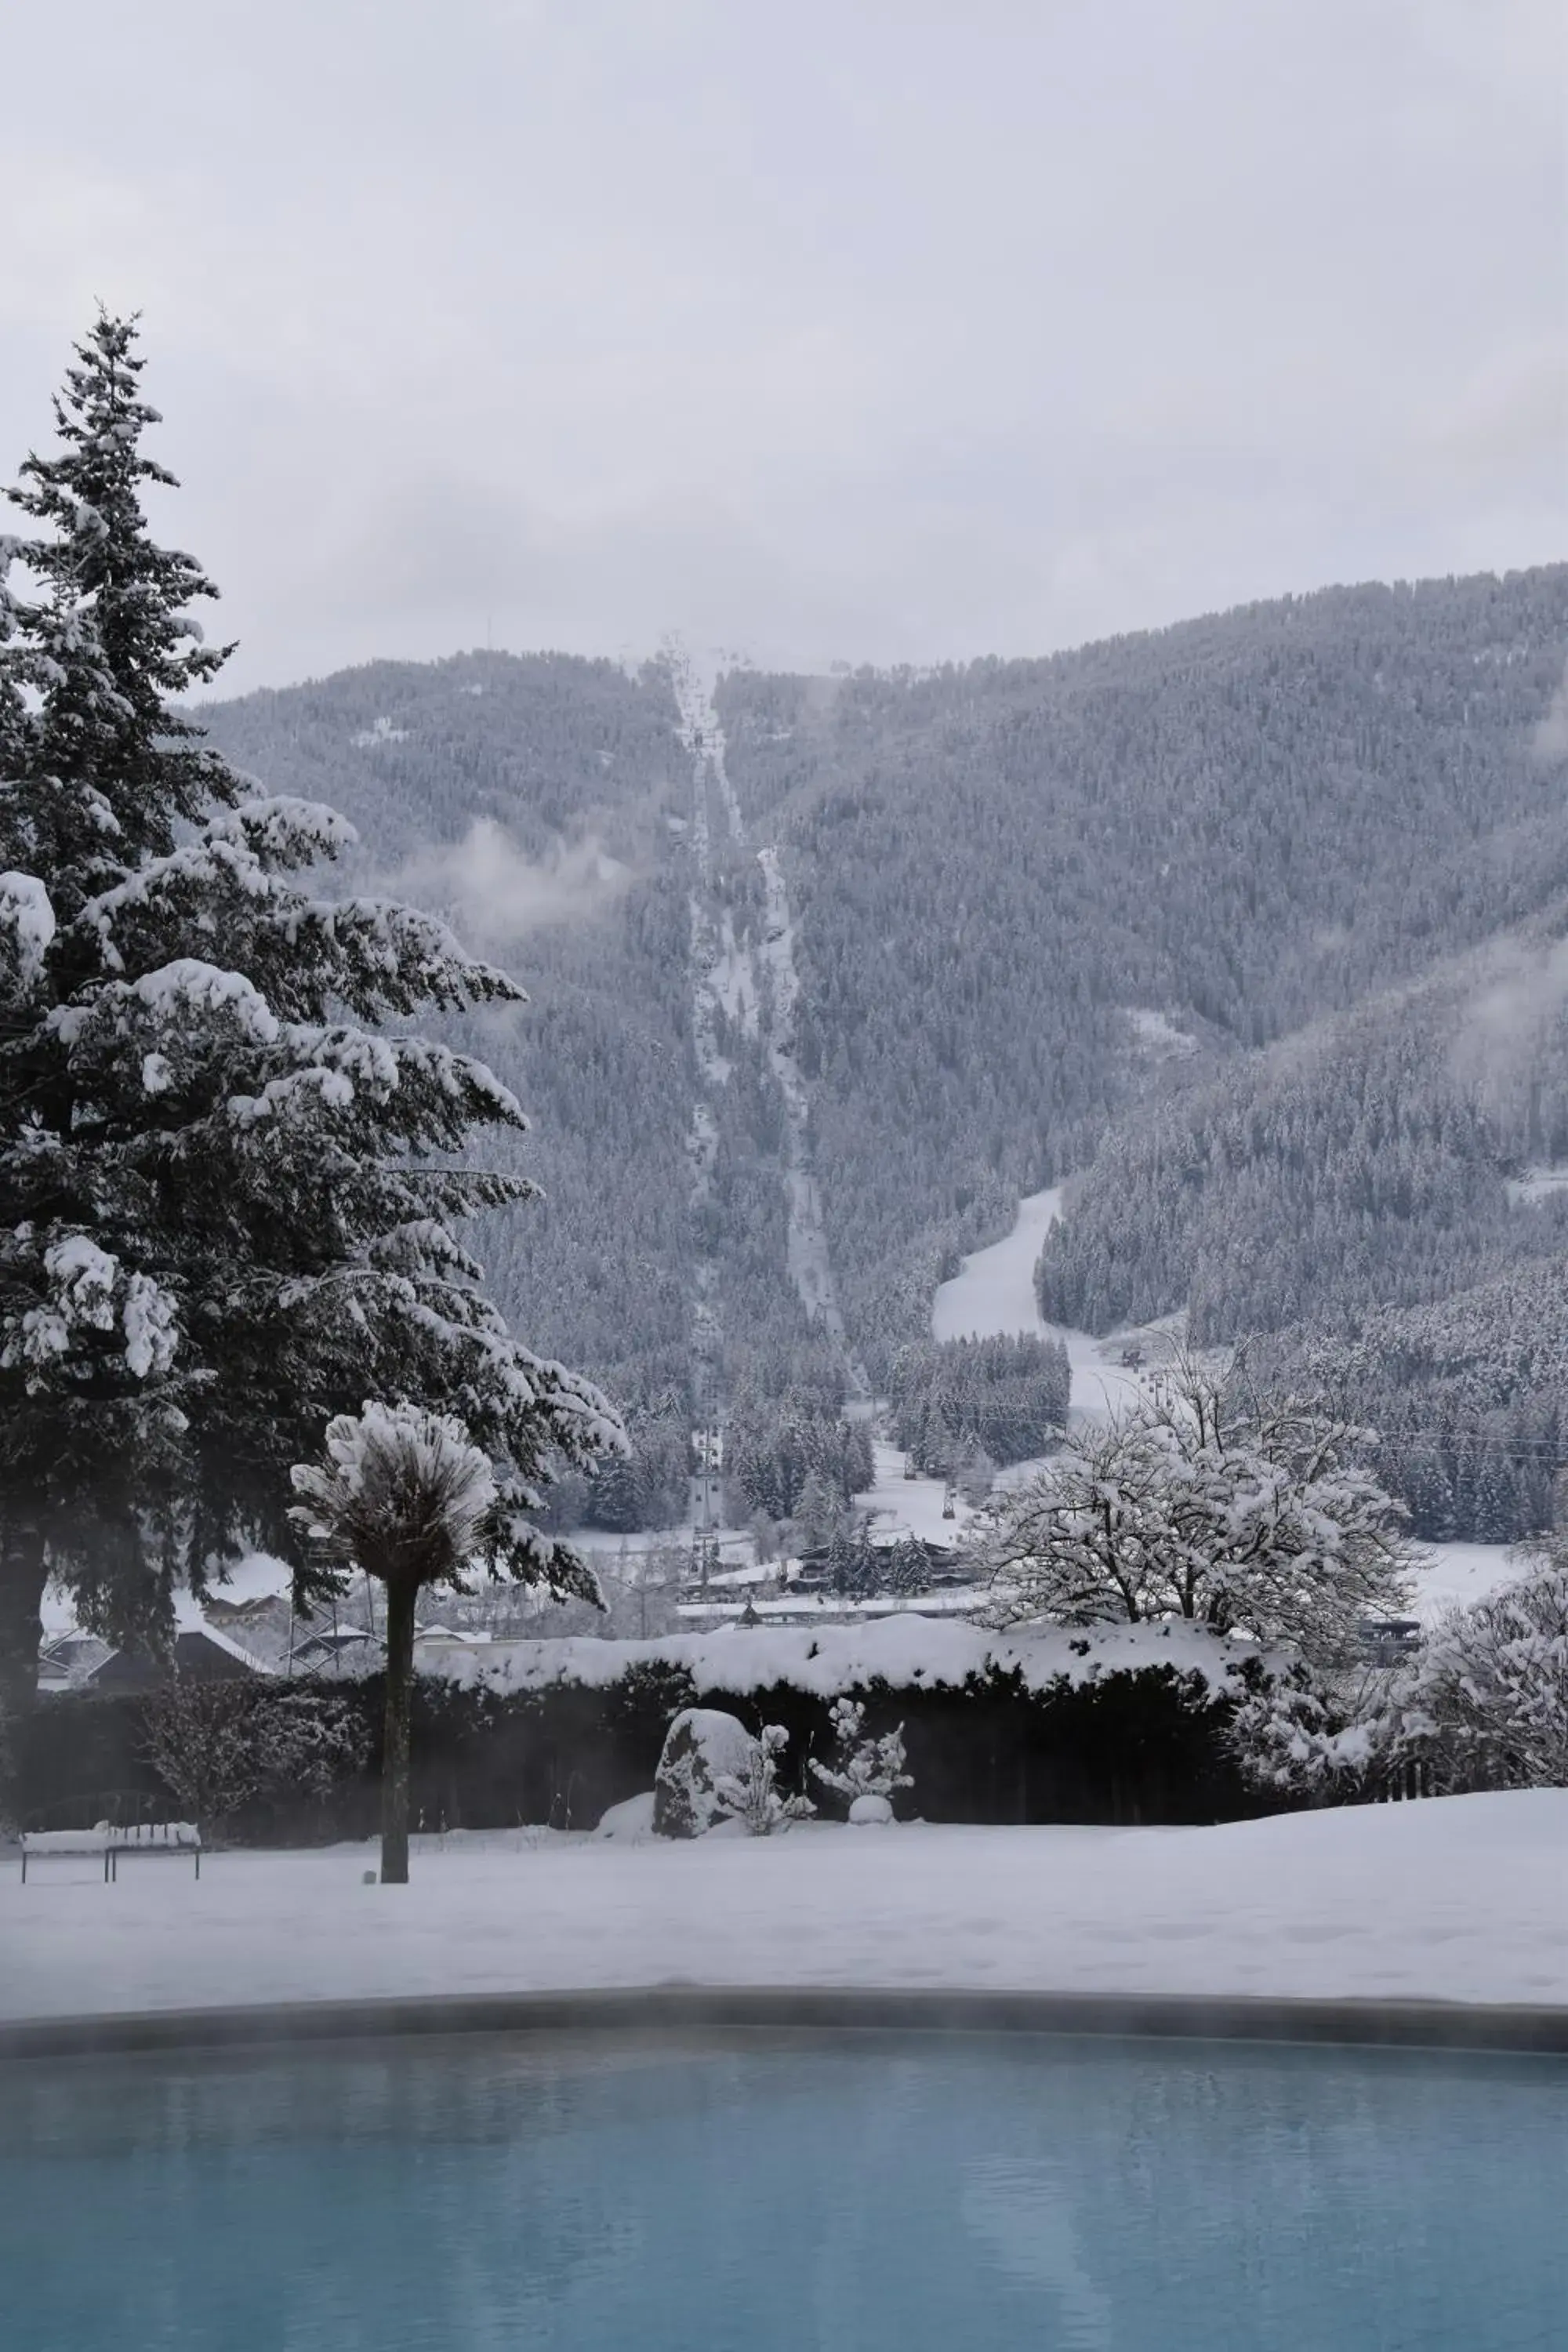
(1460, 1898)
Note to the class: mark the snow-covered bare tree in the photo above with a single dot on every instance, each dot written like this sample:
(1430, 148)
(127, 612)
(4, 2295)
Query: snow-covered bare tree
(404, 1496)
(1248, 1514)
(228, 1195)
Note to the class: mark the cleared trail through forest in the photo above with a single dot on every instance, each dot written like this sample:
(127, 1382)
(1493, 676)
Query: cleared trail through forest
(728, 979)
(695, 708)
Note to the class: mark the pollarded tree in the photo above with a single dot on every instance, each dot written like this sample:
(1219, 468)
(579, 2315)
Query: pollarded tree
(404, 1497)
(228, 1196)
(1204, 1501)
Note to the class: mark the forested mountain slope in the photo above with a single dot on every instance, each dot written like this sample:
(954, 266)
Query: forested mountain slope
(1237, 920)
(1031, 892)
(1355, 1205)
(1366, 1161)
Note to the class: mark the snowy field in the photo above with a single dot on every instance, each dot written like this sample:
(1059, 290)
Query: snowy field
(1459, 1573)
(1460, 1899)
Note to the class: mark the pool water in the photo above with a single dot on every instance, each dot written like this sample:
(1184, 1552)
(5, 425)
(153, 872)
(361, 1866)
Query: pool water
(786, 2194)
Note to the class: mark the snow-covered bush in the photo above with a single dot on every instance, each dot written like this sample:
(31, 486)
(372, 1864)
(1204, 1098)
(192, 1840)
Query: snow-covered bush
(1485, 1706)
(861, 1767)
(1319, 1737)
(751, 1796)
(217, 1747)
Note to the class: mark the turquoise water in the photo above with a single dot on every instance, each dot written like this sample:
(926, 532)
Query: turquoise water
(875, 2194)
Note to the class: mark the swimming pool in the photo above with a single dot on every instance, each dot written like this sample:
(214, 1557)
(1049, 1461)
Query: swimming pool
(748, 2193)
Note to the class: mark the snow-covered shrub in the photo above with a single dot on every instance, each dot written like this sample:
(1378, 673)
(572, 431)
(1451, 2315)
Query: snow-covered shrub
(861, 1767)
(217, 1747)
(1319, 1737)
(751, 1796)
(1485, 1705)
(631, 1820)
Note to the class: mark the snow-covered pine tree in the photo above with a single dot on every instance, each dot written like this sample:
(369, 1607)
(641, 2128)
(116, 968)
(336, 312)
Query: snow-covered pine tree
(227, 1197)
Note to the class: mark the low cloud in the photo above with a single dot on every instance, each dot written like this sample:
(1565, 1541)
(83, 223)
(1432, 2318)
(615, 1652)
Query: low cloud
(494, 894)
(1549, 742)
(1506, 1024)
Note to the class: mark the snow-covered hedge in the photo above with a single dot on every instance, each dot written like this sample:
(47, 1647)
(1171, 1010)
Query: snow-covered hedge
(1123, 1724)
(906, 1653)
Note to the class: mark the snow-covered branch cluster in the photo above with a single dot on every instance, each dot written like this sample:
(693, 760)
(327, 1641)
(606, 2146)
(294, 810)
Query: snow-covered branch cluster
(1482, 1705)
(402, 1494)
(1486, 1704)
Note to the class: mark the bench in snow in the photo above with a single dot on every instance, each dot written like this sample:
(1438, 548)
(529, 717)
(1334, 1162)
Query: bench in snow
(111, 1842)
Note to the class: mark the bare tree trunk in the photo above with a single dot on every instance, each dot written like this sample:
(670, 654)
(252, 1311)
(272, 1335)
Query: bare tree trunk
(401, 1597)
(24, 1572)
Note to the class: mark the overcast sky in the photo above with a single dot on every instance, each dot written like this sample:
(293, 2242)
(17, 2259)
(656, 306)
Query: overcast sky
(882, 330)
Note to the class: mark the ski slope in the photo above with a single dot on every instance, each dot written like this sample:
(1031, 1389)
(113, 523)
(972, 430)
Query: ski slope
(757, 988)
(993, 1296)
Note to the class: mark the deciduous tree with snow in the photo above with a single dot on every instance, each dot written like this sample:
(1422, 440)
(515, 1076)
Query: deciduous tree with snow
(1249, 1514)
(230, 1195)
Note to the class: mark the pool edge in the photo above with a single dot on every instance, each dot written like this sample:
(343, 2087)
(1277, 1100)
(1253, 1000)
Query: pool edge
(1431, 2025)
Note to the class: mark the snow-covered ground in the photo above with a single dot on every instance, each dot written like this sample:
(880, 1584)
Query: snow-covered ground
(1460, 1899)
(1536, 1184)
(1452, 1573)
(993, 1296)
(909, 1506)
